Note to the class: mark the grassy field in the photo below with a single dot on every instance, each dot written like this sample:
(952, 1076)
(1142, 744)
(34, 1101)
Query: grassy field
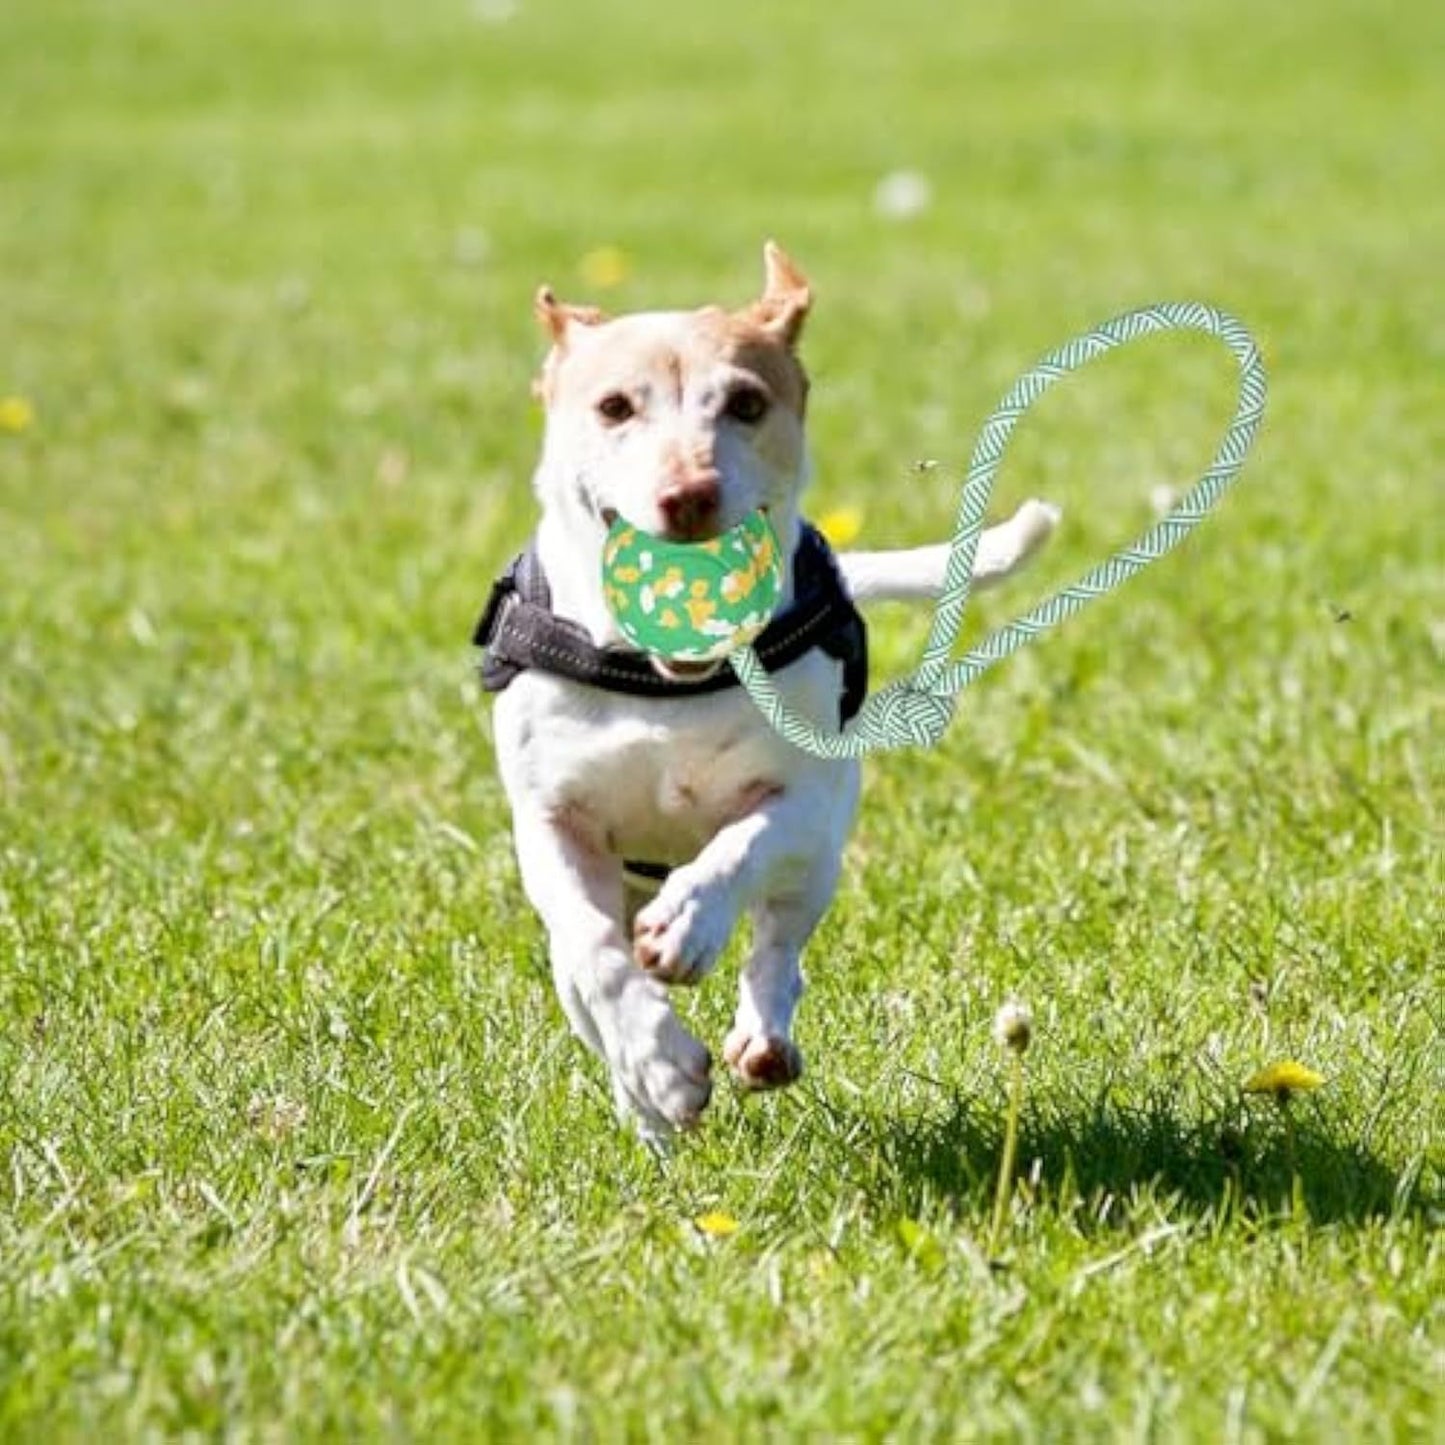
(294, 1142)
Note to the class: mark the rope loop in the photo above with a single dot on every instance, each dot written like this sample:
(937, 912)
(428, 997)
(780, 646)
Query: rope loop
(915, 711)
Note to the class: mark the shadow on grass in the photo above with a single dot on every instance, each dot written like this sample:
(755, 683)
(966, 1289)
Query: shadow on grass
(1100, 1158)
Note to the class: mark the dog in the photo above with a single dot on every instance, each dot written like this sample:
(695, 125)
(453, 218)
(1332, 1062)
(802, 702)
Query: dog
(648, 818)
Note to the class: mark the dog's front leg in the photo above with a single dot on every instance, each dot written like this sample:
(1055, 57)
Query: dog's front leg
(660, 1073)
(759, 1048)
(771, 849)
(781, 858)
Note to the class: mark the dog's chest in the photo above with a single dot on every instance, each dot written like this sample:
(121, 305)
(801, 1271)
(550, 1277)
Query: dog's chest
(648, 778)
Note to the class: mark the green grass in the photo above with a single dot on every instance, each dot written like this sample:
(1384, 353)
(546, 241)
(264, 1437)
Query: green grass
(293, 1139)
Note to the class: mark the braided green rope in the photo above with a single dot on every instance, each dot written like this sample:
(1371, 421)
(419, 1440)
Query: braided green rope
(916, 710)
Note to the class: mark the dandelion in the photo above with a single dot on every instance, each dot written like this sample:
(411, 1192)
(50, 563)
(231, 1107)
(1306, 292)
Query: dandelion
(17, 414)
(902, 195)
(841, 525)
(1013, 1029)
(1013, 1026)
(604, 268)
(717, 1225)
(1283, 1080)
(1162, 498)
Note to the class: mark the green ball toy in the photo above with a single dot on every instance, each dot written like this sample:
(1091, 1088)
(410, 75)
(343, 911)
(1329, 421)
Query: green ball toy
(693, 601)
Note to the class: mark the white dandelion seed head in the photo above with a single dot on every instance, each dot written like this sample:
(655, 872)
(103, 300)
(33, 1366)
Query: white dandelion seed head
(1013, 1026)
(901, 195)
(1162, 498)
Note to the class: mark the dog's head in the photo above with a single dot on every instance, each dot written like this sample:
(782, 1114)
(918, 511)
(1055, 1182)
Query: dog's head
(682, 422)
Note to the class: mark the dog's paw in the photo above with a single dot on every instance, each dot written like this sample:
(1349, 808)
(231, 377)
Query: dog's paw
(763, 1061)
(661, 1074)
(679, 936)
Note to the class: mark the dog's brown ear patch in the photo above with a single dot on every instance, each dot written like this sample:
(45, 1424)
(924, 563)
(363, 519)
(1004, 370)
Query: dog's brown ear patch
(786, 298)
(556, 316)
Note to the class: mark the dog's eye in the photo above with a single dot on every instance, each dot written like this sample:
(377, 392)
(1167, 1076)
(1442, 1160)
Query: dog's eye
(747, 404)
(616, 407)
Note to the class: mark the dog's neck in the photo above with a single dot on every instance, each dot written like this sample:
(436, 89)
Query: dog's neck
(569, 546)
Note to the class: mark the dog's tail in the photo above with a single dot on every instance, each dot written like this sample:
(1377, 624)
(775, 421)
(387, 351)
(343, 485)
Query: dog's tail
(916, 573)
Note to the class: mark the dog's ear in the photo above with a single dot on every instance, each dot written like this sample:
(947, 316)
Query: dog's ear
(783, 306)
(556, 316)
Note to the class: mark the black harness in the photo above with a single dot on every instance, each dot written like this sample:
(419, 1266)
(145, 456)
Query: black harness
(519, 631)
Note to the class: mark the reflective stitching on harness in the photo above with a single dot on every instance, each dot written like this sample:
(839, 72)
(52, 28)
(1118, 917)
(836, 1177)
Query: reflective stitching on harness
(826, 619)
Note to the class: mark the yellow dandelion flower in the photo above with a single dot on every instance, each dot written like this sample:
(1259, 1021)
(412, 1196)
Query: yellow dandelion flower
(604, 268)
(717, 1224)
(1284, 1079)
(17, 414)
(842, 525)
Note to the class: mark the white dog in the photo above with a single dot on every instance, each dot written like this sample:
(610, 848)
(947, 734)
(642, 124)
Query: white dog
(651, 803)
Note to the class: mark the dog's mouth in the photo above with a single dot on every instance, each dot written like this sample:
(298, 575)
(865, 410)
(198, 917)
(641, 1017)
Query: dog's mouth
(675, 671)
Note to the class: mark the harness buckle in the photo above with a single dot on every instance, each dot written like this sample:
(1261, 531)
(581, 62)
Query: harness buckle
(503, 588)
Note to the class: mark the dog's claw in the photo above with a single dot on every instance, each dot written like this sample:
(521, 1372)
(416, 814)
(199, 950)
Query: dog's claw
(763, 1061)
(678, 937)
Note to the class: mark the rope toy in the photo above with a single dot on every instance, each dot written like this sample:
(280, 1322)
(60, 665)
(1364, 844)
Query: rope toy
(915, 710)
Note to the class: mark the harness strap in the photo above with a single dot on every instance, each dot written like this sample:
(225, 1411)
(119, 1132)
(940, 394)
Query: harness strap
(518, 630)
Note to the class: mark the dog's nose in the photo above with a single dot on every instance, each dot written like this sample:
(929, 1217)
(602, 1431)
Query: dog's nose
(689, 506)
